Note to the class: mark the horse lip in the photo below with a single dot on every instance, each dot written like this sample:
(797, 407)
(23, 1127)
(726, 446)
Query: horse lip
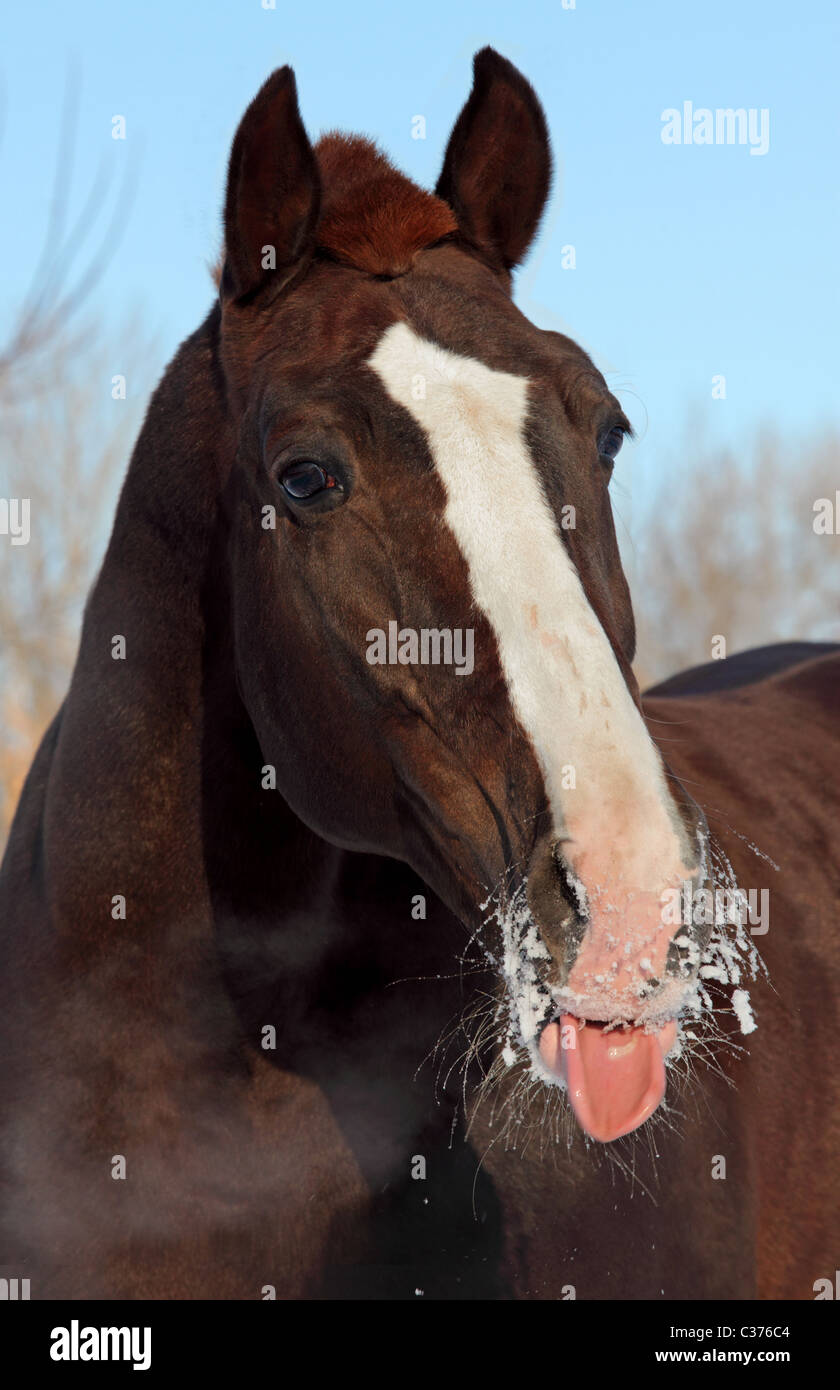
(653, 1024)
(663, 1005)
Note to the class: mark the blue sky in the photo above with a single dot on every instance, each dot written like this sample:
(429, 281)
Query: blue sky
(689, 261)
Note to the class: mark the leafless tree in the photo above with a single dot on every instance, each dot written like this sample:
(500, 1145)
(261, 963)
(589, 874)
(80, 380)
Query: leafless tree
(64, 440)
(728, 548)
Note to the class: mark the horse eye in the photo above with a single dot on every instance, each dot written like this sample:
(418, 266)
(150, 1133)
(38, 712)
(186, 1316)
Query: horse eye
(305, 479)
(609, 446)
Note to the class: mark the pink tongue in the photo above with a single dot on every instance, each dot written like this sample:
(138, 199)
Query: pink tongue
(615, 1080)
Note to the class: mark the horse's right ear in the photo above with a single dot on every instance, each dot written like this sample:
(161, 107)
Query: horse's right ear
(273, 192)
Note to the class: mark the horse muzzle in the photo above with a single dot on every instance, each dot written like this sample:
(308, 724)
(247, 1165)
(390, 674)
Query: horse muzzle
(618, 971)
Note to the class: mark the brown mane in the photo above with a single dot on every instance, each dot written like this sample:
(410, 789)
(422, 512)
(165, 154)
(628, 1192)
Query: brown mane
(372, 216)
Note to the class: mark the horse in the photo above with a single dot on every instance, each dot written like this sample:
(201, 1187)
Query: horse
(336, 965)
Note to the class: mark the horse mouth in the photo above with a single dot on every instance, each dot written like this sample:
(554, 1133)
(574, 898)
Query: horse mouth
(614, 1074)
(600, 1021)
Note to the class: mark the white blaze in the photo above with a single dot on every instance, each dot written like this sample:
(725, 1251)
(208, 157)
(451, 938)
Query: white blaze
(564, 682)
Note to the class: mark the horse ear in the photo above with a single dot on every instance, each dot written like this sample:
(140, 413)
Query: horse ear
(497, 170)
(273, 191)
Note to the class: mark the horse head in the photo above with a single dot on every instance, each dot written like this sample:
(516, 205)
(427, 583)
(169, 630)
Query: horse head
(433, 633)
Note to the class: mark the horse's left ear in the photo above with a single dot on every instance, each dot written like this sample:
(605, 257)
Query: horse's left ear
(273, 192)
(497, 169)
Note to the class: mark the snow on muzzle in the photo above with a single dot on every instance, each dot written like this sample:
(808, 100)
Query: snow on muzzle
(617, 980)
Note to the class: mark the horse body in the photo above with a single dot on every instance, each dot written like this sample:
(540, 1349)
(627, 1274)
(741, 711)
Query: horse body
(232, 1053)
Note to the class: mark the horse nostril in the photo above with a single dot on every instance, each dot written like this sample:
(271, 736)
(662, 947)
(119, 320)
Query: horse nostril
(684, 951)
(573, 890)
(558, 904)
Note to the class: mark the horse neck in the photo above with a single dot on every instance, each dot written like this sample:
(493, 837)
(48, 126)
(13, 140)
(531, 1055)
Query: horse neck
(121, 779)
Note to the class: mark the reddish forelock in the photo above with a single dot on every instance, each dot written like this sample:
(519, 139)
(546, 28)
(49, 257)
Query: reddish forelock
(372, 216)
